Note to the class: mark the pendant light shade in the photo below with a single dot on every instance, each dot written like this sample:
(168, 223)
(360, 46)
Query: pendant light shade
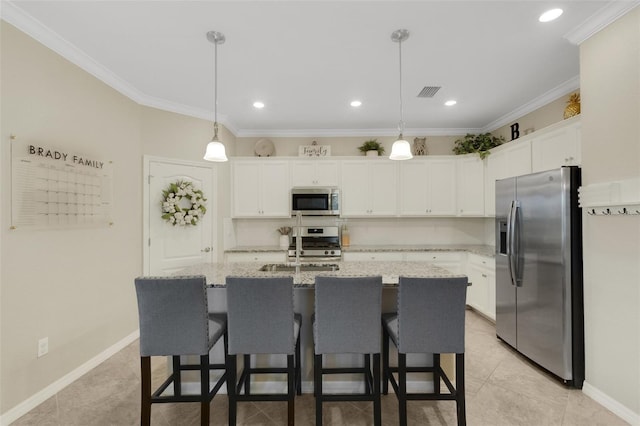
(215, 149)
(401, 150)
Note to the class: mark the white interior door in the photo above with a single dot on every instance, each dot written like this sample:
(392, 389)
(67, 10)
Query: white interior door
(171, 248)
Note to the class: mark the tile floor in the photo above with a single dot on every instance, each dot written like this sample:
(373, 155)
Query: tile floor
(502, 389)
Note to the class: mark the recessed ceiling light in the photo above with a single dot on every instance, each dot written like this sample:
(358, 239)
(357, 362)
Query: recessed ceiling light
(550, 15)
(258, 104)
(450, 103)
(356, 103)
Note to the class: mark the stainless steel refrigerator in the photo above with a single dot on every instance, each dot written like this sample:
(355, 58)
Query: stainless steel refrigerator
(539, 298)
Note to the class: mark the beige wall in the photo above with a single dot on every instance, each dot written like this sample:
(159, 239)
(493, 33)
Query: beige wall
(176, 136)
(71, 285)
(542, 117)
(610, 85)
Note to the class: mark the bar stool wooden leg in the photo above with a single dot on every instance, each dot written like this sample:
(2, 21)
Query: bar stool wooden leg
(317, 384)
(367, 372)
(298, 368)
(247, 378)
(204, 390)
(145, 369)
(377, 405)
(385, 360)
(402, 388)
(291, 390)
(436, 374)
(460, 391)
(231, 388)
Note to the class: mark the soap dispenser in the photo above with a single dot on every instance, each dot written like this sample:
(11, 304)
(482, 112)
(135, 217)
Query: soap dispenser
(346, 240)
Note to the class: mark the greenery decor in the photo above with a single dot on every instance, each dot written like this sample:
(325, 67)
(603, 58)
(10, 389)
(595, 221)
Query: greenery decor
(371, 145)
(480, 143)
(183, 204)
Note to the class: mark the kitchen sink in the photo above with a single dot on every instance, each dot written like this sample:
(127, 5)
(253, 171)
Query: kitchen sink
(306, 267)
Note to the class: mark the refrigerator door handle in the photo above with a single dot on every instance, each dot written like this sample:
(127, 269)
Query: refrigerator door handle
(510, 246)
(517, 270)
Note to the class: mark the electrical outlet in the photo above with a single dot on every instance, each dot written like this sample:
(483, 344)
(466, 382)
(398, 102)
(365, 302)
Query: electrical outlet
(43, 346)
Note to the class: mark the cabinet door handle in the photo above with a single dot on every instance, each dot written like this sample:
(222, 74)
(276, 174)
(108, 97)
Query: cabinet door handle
(206, 249)
(484, 275)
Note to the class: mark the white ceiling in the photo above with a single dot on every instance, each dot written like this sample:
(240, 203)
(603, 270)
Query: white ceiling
(306, 60)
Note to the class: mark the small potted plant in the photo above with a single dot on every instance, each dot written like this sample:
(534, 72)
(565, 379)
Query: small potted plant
(481, 144)
(371, 147)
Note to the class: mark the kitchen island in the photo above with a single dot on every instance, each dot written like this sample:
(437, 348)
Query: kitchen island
(390, 271)
(304, 304)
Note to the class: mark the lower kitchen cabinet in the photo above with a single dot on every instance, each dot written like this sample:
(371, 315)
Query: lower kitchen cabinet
(481, 294)
(452, 261)
(262, 257)
(362, 256)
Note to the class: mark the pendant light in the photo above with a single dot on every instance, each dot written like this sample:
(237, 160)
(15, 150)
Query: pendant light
(401, 150)
(215, 148)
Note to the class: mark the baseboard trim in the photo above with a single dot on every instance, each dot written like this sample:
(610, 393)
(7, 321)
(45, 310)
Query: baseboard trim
(38, 398)
(611, 404)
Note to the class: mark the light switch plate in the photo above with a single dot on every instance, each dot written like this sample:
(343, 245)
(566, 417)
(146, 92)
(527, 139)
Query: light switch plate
(43, 346)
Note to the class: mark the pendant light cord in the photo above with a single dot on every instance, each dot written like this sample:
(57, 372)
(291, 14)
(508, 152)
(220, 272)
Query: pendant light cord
(401, 123)
(215, 91)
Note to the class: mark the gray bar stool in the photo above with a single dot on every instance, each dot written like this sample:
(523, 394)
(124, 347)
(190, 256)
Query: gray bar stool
(347, 320)
(174, 321)
(430, 319)
(261, 321)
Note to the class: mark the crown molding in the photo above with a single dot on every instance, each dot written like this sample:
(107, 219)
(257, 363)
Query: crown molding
(599, 20)
(14, 15)
(565, 88)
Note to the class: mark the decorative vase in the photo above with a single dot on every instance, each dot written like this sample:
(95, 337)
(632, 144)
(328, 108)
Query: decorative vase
(573, 106)
(372, 153)
(284, 242)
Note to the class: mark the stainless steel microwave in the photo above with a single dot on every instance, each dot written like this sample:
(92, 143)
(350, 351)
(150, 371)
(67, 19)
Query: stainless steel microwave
(315, 201)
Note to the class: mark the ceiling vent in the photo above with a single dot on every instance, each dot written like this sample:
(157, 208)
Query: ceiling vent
(429, 91)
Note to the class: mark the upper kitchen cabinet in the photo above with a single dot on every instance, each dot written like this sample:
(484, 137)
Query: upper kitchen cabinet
(470, 185)
(314, 172)
(428, 187)
(510, 159)
(556, 146)
(260, 188)
(369, 188)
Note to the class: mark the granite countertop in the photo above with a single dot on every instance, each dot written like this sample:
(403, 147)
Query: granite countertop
(481, 250)
(390, 271)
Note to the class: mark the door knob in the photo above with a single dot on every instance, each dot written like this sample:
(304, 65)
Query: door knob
(206, 249)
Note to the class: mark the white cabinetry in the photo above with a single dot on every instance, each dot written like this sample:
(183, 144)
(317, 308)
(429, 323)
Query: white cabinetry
(362, 256)
(368, 188)
(452, 261)
(481, 294)
(314, 173)
(511, 159)
(260, 188)
(470, 185)
(557, 147)
(263, 257)
(428, 187)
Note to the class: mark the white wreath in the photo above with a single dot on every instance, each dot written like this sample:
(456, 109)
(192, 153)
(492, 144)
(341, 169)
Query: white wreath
(177, 213)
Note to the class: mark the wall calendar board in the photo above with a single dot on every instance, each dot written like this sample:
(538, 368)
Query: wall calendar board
(53, 188)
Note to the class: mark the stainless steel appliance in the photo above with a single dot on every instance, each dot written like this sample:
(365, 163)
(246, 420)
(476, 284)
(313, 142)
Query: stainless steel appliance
(315, 201)
(318, 242)
(539, 298)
